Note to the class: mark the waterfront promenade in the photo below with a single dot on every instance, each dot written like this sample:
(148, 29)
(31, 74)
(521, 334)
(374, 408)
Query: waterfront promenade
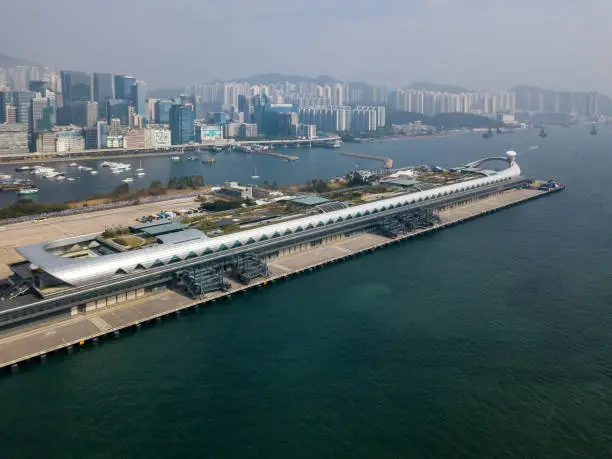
(38, 341)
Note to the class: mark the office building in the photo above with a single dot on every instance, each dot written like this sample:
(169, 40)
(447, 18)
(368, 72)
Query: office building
(231, 130)
(102, 133)
(134, 139)
(182, 118)
(3, 105)
(308, 131)
(103, 88)
(117, 109)
(76, 87)
(69, 140)
(11, 114)
(84, 114)
(162, 111)
(14, 139)
(22, 101)
(248, 130)
(123, 87)
(139, 101)
(38, 86)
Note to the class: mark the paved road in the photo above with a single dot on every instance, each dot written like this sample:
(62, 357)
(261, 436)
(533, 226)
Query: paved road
(54, 228)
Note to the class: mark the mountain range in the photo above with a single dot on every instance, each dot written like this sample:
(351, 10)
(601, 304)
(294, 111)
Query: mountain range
(8, 62)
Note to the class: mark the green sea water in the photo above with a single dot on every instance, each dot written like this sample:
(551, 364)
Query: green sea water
(492, 339)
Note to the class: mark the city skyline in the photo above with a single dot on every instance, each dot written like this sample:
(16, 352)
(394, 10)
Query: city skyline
(470, 43)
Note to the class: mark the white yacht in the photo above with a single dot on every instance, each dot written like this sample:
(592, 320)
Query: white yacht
(93, 172)
(127, 180)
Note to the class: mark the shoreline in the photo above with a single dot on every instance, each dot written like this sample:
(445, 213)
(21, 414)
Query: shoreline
(56, 159)
(131, 312)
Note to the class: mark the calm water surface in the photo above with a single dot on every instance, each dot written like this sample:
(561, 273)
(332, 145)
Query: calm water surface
(489, 340)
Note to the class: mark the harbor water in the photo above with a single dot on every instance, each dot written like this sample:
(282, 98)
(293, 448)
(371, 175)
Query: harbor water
(489, 340)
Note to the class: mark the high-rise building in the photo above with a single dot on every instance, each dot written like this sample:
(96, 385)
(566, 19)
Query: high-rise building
(22, 101)
(76, 87)
(11, 114)
(162, 111)
(38, 86)
(139, 100)
(182, 118)
(103, 88)
(84, 114)
(102, 133)
(117, 109)
(3, 104)
(123, 87)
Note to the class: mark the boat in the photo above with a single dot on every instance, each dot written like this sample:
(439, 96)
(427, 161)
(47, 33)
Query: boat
(71, 179)
(175, 158)
(127, 180)
(60, 177)
(336, 144)
(192, 158)
(140, 169)
(23, 168)
(73, 165)
(93, 172)
(26, 191)
(140, 174)
(543, 133)
(488, 134)
(5, 177)
(594, 129)
(255, 176)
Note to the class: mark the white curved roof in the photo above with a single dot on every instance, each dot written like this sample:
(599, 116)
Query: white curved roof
(85, 270)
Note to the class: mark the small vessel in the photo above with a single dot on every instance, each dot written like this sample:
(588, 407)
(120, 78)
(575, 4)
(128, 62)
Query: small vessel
(71, 179)
(594, 129)
(175, 158)
(26, 191)
(499, 131)
(543, 133)
(140, 174)
(23, 168)
(73, 165)
(254, 176)
(127, 180)
(192, 158)
(5, 177)
(93, 172)
(60, 177)
(488, 134)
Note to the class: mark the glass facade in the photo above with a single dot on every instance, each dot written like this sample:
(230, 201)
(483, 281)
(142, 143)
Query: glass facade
(182, 118)
(117, 109)
(123, 87)
(162, 111)
(139, 100)
(76, 86)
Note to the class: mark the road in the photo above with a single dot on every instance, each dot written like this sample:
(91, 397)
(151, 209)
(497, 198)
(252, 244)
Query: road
(73, 225)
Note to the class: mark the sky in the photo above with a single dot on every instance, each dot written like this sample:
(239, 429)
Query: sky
(479, 44)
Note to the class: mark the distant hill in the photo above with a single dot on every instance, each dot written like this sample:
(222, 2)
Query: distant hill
(278, 78)
(8, 62)
(424, 85)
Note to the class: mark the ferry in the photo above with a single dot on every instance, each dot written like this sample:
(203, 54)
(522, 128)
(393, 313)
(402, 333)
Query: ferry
(26, 191)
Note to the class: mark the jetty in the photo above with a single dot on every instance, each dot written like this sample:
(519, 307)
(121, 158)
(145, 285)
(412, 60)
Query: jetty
(112, 319)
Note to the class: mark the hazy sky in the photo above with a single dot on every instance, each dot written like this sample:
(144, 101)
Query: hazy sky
(488, 44)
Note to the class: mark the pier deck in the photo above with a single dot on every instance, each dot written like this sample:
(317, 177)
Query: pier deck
(27, 343)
